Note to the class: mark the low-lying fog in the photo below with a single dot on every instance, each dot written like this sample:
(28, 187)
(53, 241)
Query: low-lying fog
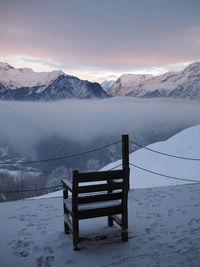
(24, 124)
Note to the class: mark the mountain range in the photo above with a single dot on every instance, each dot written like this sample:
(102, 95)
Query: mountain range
(25, 84)
(125, 83)
(182, 84)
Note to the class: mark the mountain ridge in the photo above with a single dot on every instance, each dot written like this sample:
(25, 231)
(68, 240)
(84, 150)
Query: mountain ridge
(25, 84)
(182, 84)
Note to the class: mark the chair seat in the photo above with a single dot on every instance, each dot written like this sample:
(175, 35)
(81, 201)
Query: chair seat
(91, 206)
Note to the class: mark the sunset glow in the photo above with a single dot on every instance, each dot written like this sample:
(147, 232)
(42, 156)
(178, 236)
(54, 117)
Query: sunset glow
(96, 41)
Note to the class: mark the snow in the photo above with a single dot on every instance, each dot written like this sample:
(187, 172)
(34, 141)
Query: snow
(107, 84)
(126, 82)
(25, 77)
(170, 81)
(185, 144)
(163, 231)
(164, 221)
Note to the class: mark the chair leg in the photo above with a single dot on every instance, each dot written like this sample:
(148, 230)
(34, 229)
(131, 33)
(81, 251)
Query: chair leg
(110, 221)
(75, 234)
(124, 235)
(66, 228)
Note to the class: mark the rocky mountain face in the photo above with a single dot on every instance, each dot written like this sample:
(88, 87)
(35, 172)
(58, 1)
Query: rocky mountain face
(125, 83)
(107, 84)
(25, 84)
(183, 84)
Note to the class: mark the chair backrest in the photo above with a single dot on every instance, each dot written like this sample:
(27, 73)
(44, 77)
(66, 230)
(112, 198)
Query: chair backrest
(106, 186)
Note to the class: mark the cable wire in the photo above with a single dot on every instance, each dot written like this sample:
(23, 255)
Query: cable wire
(164, 175)
(31, 190)
(114, 167)
(165, 154)
(58, 158)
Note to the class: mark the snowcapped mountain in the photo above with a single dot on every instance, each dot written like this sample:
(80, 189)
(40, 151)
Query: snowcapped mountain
(12, 78)
(25, 84)
(125, 83)
(184, 144)
(71, 87)
(107, 84)
(183, 84)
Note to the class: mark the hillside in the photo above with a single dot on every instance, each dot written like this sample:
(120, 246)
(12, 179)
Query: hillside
(183, 84)
(125, 83)
(184, 144)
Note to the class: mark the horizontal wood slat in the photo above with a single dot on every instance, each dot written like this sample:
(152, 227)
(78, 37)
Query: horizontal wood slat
(99, 187)
(92, 213)
(100, 176)
(99, 198)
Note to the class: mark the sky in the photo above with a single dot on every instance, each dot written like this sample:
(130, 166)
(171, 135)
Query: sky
(99, 40)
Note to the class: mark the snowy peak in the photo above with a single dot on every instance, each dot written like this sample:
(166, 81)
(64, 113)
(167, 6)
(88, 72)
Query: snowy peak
(25, 84)
(126, 82)
(5, 66)
(183, 84)
(107, 84)
(13, 78)
(194, 67)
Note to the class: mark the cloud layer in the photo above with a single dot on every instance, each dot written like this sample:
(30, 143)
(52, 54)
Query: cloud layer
(24, 124)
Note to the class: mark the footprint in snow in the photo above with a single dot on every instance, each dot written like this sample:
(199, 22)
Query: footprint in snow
(44, 256)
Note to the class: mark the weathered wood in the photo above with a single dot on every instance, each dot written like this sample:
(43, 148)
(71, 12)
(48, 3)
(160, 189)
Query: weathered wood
(99, 198)
(67, 184)
(110, 220)
(117, 220)
(125, 151)
(100, 212)
(99, 187)
(98, 176)
(125, 200)
(68, 224)
(75, 223)
(65, 196)
(125, 154)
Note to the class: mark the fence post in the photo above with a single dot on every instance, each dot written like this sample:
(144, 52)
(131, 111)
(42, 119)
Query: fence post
(125, 154)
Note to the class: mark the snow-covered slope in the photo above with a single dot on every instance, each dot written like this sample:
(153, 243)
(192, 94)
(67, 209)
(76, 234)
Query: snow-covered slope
(183, 84)
(107, 84)
(126, 82)
(25, 84)
(163, 231)
(12, 78)
(183, 144)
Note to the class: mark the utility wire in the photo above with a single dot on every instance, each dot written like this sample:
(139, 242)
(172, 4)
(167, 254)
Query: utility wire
(165, 154)
(31, 190)
(114, 167)
(164, 175)
(59, 158)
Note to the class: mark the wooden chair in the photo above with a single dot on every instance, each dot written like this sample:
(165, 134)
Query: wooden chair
(104, 194)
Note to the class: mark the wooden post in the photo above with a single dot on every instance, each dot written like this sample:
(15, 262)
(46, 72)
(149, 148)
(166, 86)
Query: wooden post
(75, 210)
(65, 196)
(125, 154)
